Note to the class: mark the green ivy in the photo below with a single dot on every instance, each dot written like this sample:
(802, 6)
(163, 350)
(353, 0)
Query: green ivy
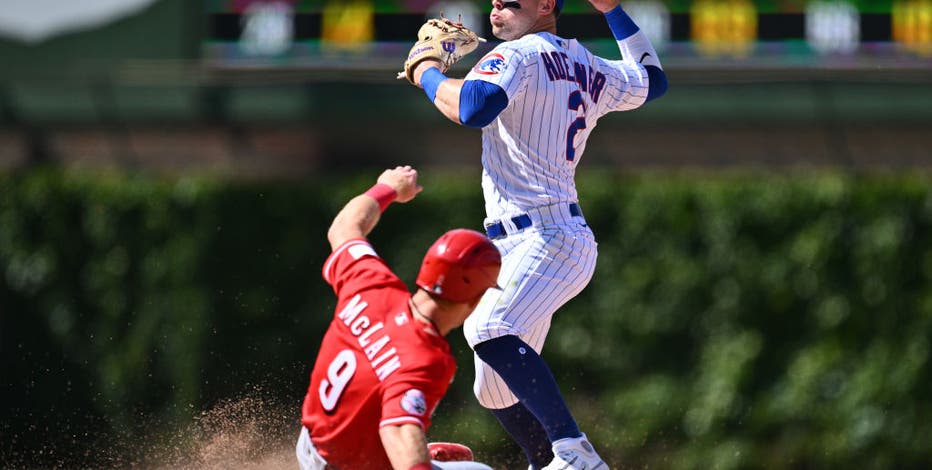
(735, 320)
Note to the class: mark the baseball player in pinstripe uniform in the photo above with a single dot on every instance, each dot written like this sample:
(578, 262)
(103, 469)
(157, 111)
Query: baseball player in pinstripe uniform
(536, 97)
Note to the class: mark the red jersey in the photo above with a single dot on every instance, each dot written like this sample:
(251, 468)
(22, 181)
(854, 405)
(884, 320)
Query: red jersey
(377, 366)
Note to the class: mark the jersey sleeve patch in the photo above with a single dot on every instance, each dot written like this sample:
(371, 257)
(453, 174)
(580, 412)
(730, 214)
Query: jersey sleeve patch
(414, 402)
(492, 64)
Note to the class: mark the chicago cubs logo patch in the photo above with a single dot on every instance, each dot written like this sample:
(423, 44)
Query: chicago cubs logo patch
(414, 402)
(491, 64)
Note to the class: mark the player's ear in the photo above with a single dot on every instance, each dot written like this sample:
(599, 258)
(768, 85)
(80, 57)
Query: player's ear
(546, 7)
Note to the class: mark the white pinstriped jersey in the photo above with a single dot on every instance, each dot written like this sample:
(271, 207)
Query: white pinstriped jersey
(556, 90)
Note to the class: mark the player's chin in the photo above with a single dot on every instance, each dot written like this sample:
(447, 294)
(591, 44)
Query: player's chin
(502, 33)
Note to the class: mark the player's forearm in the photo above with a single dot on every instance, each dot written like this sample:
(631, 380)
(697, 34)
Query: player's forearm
(441, 90)
(357, 218)
(636, 47)
(632, 42)
(405, 445)
(448, 99)
(473, 103)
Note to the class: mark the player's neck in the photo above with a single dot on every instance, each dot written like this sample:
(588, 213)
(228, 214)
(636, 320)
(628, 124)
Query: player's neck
(427, 318)
(545, 24)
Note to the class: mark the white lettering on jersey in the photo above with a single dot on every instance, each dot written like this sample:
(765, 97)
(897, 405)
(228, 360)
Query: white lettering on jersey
(364, 339)
(359, 326)
(389, 367)
(339, 373)
(377, 346)
(352, 308)
(383, 357)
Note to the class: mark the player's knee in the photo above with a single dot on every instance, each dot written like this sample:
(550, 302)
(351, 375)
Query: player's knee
(490, 391)
(489, 399)
(503, 346)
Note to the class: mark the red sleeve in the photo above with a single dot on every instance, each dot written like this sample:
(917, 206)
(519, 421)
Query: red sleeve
(413, 396)
(355, 266)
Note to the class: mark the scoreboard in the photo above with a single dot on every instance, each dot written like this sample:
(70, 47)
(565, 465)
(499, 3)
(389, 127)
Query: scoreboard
(306, 32)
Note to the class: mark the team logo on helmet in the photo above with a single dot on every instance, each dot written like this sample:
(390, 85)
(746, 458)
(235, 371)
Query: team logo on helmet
(491, 64)
(414, 402)
(437, 288)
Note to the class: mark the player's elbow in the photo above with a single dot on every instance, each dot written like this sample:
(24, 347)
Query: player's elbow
(335, 235)
(480, 103)
(339, 232)
(656, 82)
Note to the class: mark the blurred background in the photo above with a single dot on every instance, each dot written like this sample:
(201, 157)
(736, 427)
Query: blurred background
(168, 169)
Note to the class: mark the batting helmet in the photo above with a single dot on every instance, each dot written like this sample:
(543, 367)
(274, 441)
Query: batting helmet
(460, 266)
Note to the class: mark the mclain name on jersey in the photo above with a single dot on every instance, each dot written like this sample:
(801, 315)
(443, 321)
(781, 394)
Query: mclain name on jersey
(369, 340)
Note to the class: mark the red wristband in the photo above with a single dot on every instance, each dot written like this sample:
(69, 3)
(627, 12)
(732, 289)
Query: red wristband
(422, 466)
(383, 194)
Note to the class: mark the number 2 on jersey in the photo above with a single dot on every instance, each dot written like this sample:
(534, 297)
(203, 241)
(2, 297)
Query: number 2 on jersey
(339, 373)
(575, 102)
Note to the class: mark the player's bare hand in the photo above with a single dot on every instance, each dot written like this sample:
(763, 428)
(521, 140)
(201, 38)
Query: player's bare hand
(403, 179)
(604, 5)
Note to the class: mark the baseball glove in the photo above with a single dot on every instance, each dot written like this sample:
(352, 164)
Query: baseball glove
(441, 39)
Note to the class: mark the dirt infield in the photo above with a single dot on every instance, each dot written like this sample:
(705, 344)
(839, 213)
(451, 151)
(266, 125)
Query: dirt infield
(248, 432)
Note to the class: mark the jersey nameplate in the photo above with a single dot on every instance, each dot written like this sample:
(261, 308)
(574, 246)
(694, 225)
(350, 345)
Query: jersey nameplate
(372, 340)
(558, 67)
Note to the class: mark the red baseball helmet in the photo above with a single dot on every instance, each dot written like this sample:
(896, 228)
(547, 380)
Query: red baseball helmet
(460, 266)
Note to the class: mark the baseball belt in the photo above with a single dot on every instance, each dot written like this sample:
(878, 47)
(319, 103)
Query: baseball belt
(497, 230)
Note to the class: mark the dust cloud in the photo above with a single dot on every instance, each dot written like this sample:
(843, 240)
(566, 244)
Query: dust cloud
(249, 432)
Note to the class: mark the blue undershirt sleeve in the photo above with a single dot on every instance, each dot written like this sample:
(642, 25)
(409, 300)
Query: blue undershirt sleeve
(430, 81)
(620, 23)
(656, 82)
(481, 102)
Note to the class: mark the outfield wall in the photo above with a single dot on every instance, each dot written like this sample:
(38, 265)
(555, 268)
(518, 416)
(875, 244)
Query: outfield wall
(171, 89)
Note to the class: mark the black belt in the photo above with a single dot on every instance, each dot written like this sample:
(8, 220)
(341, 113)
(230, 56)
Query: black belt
(497, 230)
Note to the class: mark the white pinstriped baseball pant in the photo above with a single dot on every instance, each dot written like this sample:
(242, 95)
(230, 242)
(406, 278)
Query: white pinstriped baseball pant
(543, 267)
